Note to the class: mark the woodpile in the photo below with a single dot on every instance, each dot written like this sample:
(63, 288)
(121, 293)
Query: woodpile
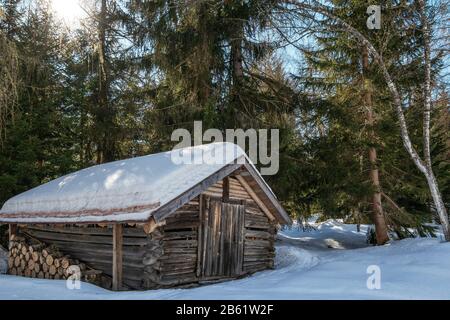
(38, 260)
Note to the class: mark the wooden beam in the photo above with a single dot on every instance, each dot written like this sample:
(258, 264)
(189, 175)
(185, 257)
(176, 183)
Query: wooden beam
(226, 189)
(12, 230)
(255, 197)
(268, 192)
(117, 257)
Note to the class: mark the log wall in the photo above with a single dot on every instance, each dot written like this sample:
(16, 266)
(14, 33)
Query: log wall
(175, 261)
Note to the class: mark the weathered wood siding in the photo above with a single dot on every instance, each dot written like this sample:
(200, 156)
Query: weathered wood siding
(180, 261)
(178, 242)
(260, 232)
(222, 239)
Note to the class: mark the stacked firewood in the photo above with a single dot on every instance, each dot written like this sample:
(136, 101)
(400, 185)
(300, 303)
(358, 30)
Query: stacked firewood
(39, 261)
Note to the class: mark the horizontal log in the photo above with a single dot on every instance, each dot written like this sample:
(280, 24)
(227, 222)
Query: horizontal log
(178, 265)
(239, 193)
(178, 258)
(184, 214)
(180, 273)
(180, 244)
(214, 189)
(257, 225)
(253, 269)
(262, 252)
(174, 279)
(84, 238)
(175, 235)
(255, 212)
(129, 272)
(130, 232)
(94, 247)
(88, 256)
(182, 225)
(249, 264)
(248, 243)
(172, 251)
(259, 234)
(256, 259)
(256, 218)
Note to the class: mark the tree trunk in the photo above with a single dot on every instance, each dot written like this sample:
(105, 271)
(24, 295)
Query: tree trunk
(237, 74)
(438, 203)
(378, 218)
(105, 117)
(236, 56)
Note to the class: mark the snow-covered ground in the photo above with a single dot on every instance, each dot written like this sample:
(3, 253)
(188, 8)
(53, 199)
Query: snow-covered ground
(327, 263)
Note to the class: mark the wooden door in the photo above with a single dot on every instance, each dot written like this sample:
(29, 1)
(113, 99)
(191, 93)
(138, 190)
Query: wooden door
(221, 239)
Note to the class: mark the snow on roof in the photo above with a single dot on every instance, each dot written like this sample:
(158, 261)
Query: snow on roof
(125, 190)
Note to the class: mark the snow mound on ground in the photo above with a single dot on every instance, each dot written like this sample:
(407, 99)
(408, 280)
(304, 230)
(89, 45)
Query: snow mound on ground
(330, 234)
(3, 260)
(291, 257)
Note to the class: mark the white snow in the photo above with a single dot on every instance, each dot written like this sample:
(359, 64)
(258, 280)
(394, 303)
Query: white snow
(328, 263)
(126, 188)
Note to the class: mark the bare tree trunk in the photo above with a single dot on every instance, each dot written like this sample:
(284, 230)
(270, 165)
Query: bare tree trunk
(236, 55)
(237, 71)
(378, 218)
(9, 83)
(106, 143)
(420, 164)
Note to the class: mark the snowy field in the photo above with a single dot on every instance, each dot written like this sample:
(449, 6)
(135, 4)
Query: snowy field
(327, 263)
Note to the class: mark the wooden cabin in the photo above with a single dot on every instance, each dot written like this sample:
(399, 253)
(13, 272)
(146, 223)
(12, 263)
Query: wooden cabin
(148, 222)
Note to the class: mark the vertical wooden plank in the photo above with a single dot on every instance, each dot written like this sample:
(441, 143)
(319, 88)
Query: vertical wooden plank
(226, 189)
(211, 211)
(217, 232)
(212, 254)
(230, 240)
(235, 238)
(117, 257)
(200, 244)
(12, 230)
(241, 230)
(223, 224)
(205, 233)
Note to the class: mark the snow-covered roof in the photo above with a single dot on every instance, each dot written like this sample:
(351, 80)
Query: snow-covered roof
(125, 190)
